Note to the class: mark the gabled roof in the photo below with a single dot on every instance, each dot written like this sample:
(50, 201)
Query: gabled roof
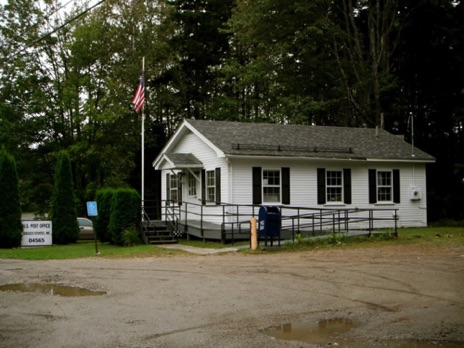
(181, 160)
(264, 139)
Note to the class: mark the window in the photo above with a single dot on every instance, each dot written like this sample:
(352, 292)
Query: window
(192, 185)
(173, 187)
(334, 186)
(384, 186)
(211, 186)
(271, 186)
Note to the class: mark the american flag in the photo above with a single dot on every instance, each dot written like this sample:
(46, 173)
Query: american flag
(139, 97)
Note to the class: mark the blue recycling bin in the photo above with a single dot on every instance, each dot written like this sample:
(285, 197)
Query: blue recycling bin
(270, 221)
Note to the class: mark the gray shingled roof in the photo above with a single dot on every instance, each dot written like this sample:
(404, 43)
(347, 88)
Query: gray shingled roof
(184, 160)
(258, 139)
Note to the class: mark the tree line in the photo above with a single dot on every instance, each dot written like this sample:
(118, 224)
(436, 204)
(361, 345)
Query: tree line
(117, 221)
(361, 63)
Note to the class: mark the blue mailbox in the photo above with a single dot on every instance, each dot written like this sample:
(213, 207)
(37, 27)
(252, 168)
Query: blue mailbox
(270, 221)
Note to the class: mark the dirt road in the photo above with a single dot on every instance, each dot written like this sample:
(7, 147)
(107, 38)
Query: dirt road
(379, 296)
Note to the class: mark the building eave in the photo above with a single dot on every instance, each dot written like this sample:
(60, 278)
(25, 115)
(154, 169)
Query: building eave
(218, 151)
(353, 158)
(403, 160)
(177, 136)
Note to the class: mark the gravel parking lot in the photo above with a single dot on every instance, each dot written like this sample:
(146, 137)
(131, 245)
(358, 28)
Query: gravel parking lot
(401, 296)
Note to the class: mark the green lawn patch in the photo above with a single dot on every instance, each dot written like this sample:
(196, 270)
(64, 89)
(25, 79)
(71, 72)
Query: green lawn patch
(84, 249)
(210, 244)
(427, 237)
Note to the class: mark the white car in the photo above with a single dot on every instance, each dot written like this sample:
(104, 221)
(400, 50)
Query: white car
(86, 228)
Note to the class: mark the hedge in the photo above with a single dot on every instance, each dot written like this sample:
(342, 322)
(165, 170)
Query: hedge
(104, 198)
(11, 227)
(125, 213)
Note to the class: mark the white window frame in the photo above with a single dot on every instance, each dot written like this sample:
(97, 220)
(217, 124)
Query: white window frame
(265, 185)
(210, 185)
(174, 187)
(192, 185)
(382, 186)
(330, 185)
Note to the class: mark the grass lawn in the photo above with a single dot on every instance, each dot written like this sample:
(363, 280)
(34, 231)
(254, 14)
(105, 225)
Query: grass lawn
(428, 237)
(84, 249)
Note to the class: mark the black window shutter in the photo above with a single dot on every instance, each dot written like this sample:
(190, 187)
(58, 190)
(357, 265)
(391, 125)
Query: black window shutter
(347, 186)
(372, 186)
(396, 186)
(168, 189)
(179, 189)
(218, 185)
(203, 187)
(321, 186)
(257, 178)
(285, 185)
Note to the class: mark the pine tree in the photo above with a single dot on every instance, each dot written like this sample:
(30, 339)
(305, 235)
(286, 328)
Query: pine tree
(11, 227)
(64, 217)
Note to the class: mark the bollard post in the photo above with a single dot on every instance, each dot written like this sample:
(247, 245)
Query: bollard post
(254, 234)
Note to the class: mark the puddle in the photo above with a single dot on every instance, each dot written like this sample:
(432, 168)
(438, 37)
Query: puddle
(324, 331)
(51, 289)
(332, 332)
(423, 344)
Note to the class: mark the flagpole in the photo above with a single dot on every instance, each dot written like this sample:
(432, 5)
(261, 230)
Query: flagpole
(412, 135)
(143, 147)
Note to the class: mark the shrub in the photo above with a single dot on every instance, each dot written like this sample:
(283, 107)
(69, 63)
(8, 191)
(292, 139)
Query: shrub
(385, 235)
(125, 213)
(337, 238)
(64, 217)
(103, 197)
(131, 237)
(10, 209)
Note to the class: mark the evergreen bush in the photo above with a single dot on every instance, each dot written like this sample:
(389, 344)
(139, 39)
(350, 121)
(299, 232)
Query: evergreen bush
(103, 197)
(11, 227)
(64, 217)
(125, 213)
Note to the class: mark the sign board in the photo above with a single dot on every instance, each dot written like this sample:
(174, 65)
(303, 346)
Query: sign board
(36, 233)
(92, 209)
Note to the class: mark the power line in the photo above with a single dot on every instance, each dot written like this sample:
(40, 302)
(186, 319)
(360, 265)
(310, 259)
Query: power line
(43, 37)
(45, 18)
